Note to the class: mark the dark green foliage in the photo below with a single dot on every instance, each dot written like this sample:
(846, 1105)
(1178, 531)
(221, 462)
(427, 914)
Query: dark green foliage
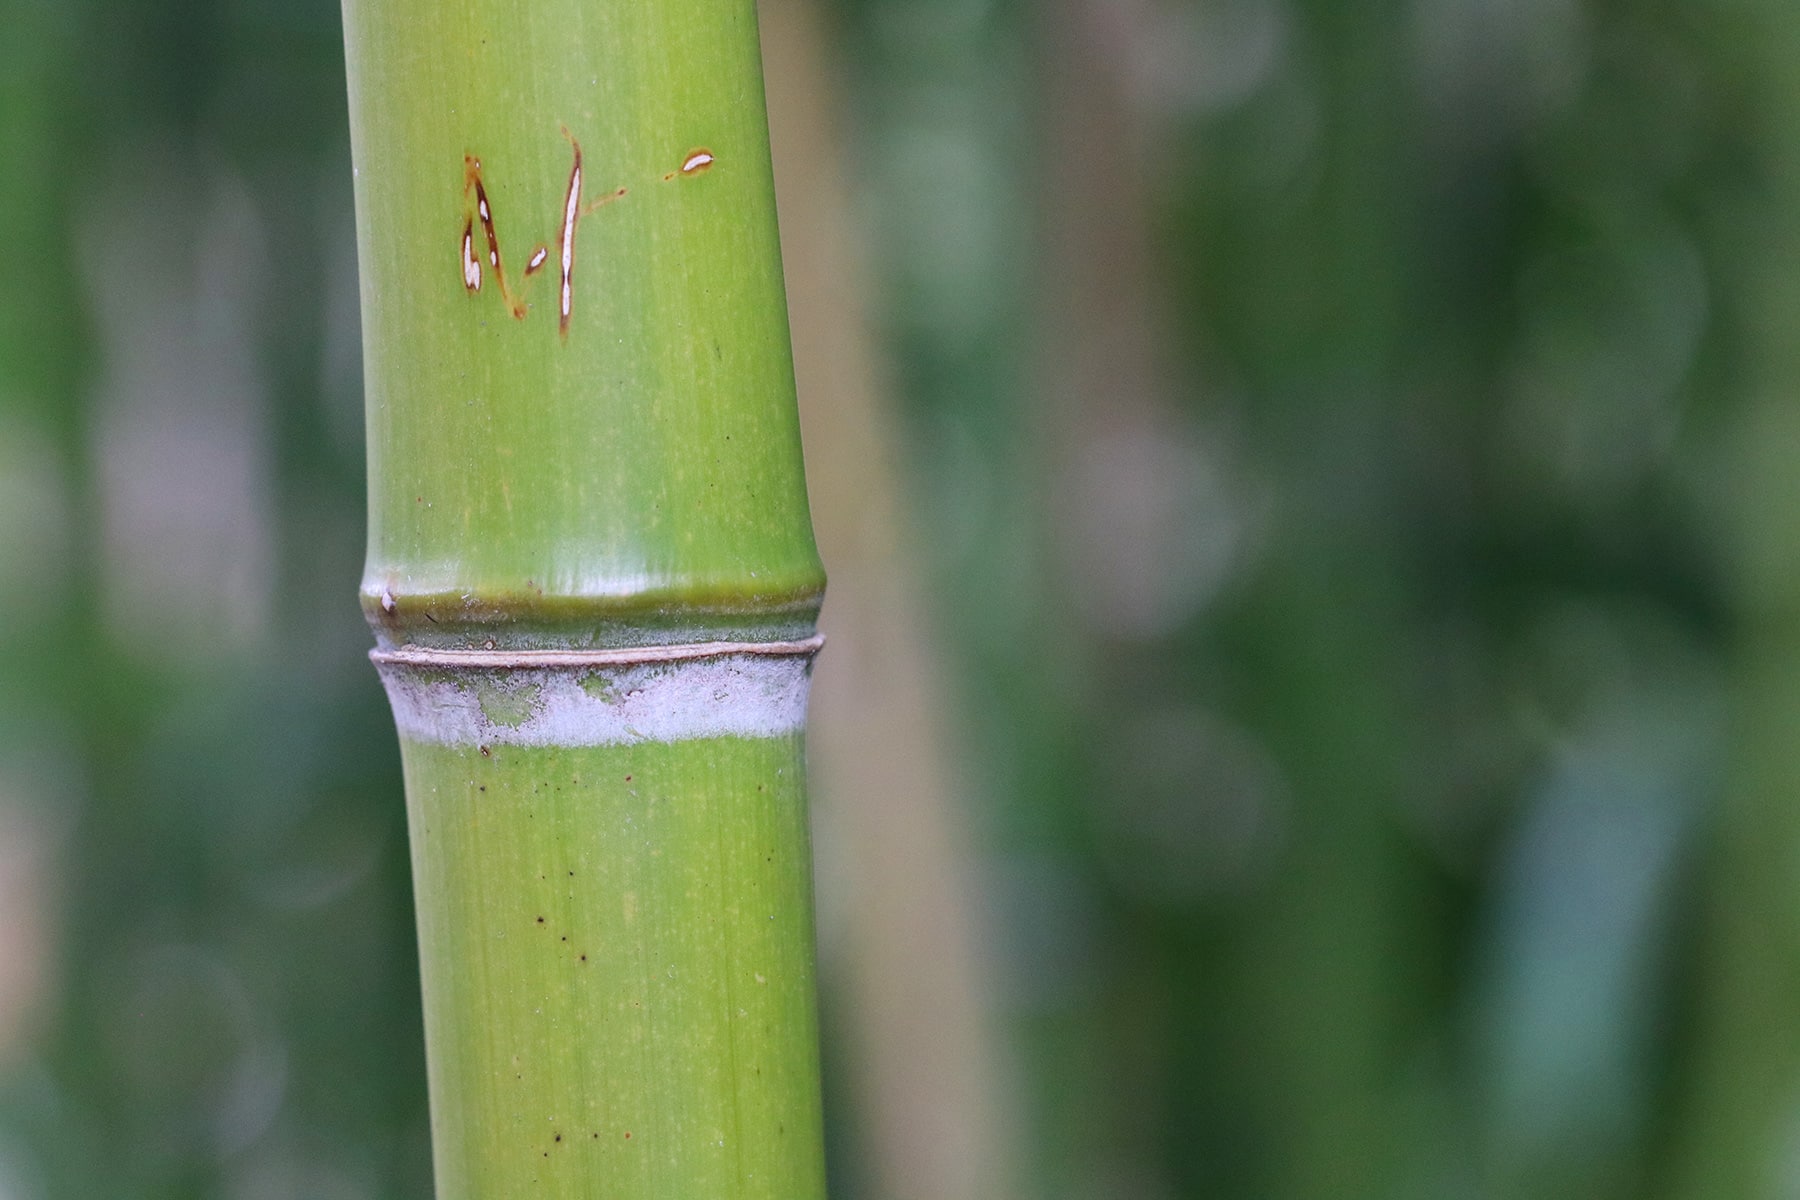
(1429, 829)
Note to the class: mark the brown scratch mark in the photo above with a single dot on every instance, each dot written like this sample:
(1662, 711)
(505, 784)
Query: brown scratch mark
(478, 208)
(693, 163)
(472, 182)
(591, 205)
(565, 239)
(471, 266)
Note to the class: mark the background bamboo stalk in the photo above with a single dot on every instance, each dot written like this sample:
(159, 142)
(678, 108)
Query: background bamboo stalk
(1733, 1131)
(41, 477)
(934, 1097)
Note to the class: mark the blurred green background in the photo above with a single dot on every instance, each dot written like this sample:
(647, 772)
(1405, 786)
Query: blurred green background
(1312, 492)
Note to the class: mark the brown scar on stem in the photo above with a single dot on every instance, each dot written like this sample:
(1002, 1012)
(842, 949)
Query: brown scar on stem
(474, 187)
(484, 211)
(471, 266)
(565, 238)
(692, 163)
(591, 205)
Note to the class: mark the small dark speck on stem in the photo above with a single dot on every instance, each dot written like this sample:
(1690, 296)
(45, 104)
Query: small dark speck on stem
(540, 920)
(486, 753)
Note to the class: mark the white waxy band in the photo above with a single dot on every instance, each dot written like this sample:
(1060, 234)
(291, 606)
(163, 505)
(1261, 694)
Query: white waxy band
(599, 697)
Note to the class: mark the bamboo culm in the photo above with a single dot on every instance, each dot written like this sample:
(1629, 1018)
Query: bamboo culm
(593, 585)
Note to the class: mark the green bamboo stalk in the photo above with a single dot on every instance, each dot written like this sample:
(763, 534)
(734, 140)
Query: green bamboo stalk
(593, 583)
(1733, 1138)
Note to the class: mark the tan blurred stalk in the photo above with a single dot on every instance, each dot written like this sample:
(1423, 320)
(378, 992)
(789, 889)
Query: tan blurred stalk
(1108, 453)
(896, 862)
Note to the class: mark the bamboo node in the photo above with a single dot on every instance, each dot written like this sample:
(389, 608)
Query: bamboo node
(616, 656)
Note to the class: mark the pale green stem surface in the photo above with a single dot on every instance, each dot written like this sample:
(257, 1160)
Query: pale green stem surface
(619, 981)
(615, 917)
(644, 468)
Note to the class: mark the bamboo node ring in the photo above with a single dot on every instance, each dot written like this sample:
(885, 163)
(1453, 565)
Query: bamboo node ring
(616, 656)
